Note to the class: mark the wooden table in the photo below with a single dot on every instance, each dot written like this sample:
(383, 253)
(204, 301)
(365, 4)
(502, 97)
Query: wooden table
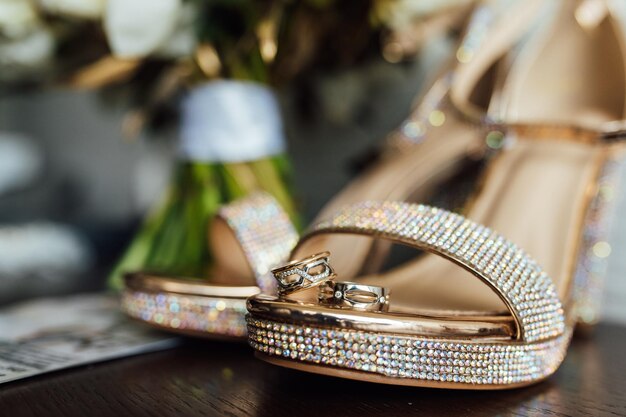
(221, 379)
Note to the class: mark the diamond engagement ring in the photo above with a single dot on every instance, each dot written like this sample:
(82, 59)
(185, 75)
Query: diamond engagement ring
(353, 295)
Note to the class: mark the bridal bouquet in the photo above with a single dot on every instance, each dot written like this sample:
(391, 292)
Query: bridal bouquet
(231, 140)
(218, 61)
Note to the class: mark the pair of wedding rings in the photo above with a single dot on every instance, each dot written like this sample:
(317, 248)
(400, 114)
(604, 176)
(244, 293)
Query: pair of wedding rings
(315, 271)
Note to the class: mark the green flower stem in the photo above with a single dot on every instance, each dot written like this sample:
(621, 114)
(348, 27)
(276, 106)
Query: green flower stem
(174, 238)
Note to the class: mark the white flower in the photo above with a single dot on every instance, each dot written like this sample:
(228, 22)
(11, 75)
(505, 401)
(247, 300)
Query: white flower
(88, 9)
(182, 41)
(27, 54)
(26, 45)
(137, 28)
(17, 18)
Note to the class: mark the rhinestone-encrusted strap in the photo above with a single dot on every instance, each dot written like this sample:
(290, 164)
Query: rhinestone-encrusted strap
(528, 292)
(264, 231)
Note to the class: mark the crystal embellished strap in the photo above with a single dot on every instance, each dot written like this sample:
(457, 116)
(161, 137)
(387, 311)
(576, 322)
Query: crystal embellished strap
(528, 292)
(264, 231)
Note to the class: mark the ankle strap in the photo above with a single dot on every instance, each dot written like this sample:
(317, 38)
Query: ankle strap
(494, 30)
(610, 134)
(499, 39)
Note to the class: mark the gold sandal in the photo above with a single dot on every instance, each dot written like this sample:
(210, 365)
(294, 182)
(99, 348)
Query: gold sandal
(216, 308)
(248, 237)
(429, 321)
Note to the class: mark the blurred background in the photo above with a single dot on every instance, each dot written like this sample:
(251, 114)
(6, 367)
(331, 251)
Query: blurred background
(77, 177)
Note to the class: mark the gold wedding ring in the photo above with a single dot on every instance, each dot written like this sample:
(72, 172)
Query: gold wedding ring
(304, 273)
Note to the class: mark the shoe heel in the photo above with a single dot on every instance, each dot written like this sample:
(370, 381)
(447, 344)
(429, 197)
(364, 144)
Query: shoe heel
(595, 249)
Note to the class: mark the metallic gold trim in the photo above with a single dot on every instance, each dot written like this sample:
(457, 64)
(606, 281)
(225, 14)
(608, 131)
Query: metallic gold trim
(147, 282)
(493, 327)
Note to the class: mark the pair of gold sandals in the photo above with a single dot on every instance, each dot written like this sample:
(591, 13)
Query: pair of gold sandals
(491, 298)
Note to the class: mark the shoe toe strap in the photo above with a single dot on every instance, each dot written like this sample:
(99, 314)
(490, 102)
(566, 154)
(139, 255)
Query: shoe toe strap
(528, 292)
(260, 228)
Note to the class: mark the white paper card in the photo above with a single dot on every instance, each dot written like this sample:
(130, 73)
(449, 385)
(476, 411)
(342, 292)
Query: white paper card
(57, 333)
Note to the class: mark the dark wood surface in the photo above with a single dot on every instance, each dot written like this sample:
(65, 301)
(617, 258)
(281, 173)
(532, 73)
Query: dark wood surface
(224, 379)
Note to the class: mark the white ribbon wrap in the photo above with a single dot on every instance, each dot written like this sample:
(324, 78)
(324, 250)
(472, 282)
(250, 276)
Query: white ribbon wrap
(230, 121)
